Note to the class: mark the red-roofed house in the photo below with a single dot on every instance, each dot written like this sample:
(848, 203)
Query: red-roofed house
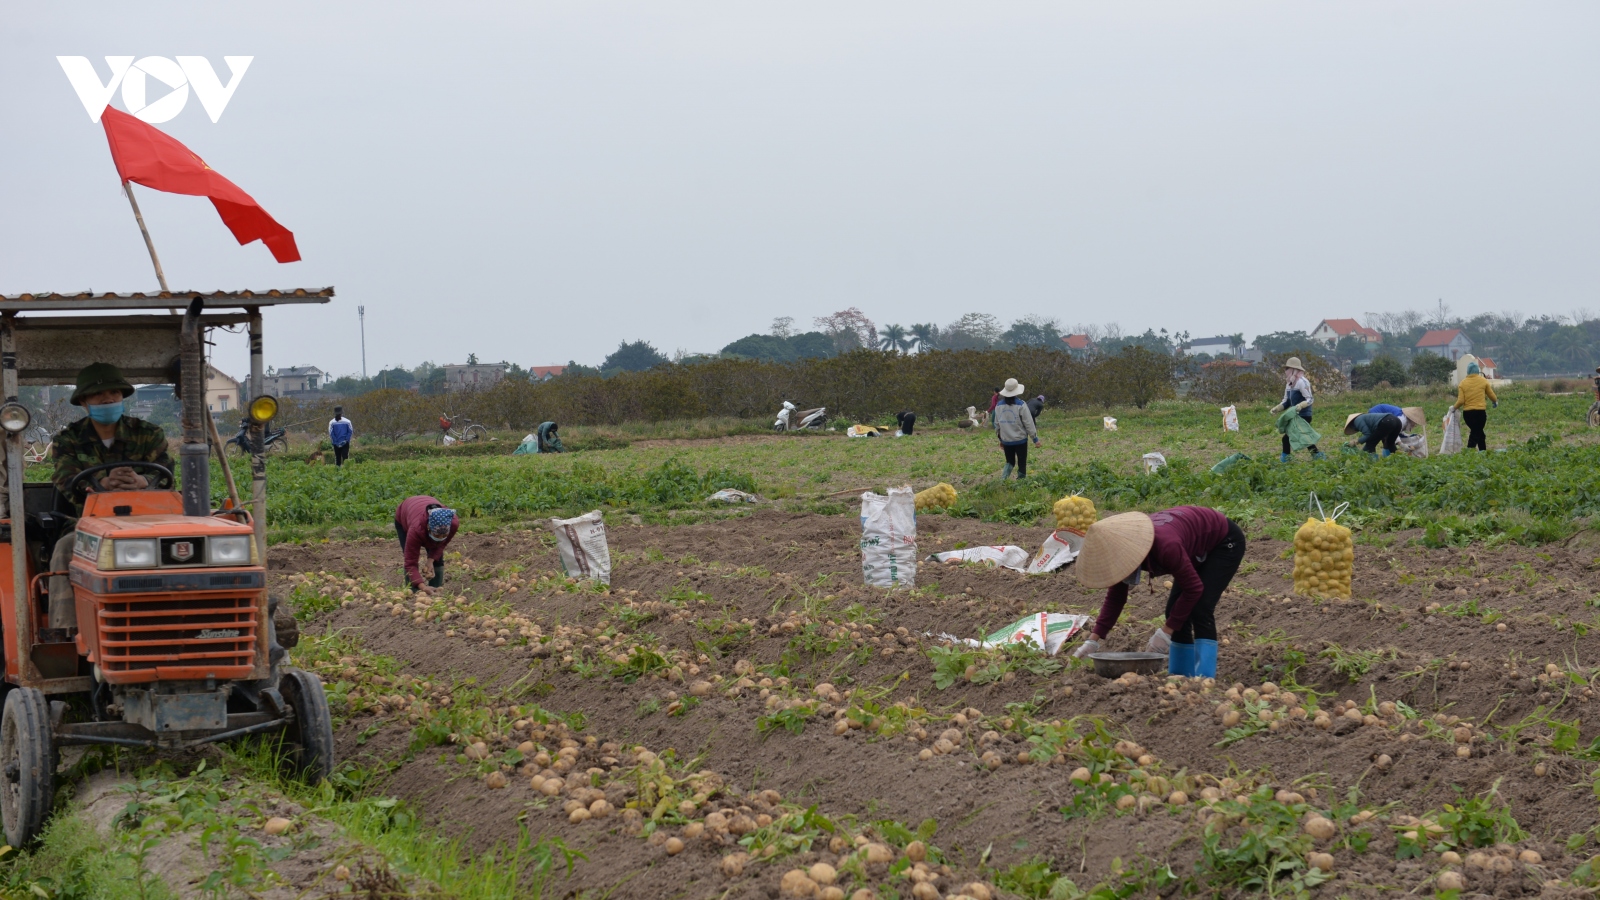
(1449, 343)
(1329, 331)
(1078, 344)
(1486, 366)
(544, 373)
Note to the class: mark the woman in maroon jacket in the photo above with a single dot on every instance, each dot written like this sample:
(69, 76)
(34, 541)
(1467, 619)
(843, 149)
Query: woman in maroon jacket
(1199, 547)
(424, 523)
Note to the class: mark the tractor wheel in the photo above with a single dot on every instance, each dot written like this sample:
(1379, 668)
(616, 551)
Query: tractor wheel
(28, 754)
(309, 738)
(1594, 415)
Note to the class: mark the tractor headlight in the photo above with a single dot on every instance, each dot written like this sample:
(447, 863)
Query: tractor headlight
(263, 408)
(135, 554)
(228, 551)
(14, 418)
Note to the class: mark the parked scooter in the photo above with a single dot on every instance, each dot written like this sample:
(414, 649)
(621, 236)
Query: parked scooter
(791, 419)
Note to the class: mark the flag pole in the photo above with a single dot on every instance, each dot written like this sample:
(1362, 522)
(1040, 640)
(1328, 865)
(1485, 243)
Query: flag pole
(127, 186)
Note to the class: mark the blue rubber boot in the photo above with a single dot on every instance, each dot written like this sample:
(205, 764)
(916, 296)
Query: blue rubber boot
(1006, 472)
(1383, 453)
(1319, 455)
(1283, 457)
(1180, 659)
(1205, 658)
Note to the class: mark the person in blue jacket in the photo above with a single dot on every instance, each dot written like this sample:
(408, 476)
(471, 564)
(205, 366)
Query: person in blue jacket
(340, 431)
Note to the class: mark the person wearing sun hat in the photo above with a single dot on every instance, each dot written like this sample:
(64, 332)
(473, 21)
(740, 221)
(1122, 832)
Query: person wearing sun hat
(1296, 394)
(1373, 428)
(1013, 424)
(1473, 397)
(1199, 547)
(425, 524)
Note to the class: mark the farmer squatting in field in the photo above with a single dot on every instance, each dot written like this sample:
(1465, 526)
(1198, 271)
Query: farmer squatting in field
(1199, 547)
(424, 523)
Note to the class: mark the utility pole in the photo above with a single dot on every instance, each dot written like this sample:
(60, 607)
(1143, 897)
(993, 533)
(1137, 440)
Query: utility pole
(361, 313)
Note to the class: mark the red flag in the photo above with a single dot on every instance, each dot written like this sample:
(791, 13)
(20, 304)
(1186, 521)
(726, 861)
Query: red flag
(147, 156)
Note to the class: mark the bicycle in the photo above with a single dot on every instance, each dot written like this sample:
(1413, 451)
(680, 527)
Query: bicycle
(460, 430)
(38, 444)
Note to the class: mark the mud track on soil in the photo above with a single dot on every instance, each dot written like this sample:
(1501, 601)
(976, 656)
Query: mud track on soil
(762, 565)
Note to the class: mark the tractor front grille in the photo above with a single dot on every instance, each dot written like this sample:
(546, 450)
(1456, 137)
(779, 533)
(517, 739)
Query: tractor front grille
(167, 638)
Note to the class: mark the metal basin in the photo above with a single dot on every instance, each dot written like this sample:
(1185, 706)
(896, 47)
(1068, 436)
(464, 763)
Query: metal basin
(1111, 665)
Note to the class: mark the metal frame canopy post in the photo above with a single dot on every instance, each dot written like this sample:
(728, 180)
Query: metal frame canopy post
(23, 638)
(258, 432)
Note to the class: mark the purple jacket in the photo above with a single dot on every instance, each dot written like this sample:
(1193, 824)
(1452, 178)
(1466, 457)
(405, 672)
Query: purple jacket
(412, 518)
(1184, 535)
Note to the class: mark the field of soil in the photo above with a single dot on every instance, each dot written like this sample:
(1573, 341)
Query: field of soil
(738, 689)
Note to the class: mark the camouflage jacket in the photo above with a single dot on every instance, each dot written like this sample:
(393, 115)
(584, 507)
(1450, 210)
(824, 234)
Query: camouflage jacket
(78, 447)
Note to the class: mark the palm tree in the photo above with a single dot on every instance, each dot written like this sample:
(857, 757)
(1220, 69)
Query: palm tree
(926, 336)
(893, 338)
(1236, 344)
(1571, 343)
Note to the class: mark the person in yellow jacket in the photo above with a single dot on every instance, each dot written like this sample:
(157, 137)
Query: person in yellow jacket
(1473, 398)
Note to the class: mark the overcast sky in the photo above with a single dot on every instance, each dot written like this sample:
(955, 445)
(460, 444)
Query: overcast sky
(538, 181)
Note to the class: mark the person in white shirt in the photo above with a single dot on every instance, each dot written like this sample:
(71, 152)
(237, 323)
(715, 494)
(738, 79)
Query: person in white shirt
(340, 431)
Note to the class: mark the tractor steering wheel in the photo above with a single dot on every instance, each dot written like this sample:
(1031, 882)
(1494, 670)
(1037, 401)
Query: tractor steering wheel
(162, 479)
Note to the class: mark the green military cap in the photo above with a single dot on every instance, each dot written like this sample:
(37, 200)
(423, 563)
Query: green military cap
(97, 377)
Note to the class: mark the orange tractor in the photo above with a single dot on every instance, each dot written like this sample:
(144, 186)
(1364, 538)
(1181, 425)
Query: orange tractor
(176, 642)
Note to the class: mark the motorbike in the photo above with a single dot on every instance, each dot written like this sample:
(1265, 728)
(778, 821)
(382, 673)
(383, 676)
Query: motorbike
(274, 440)
(791, 419)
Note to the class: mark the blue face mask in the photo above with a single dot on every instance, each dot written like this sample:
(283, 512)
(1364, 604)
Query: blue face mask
(106, 413)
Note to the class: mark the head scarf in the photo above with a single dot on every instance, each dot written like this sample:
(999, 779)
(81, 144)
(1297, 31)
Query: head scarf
(439, 522)
(1472, 369)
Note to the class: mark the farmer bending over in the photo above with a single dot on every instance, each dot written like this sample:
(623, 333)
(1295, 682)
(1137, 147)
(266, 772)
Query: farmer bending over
(105, 435)
(1199, 547)
(423, 523)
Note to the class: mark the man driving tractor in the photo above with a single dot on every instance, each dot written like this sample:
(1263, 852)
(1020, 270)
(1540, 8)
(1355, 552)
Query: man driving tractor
(105, 435)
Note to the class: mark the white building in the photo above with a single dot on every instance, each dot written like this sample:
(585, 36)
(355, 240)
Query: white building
(293, 380)
(1450, 343)
(223, 394)
(473, 376)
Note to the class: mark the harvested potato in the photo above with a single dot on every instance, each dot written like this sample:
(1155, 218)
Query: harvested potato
(937, 497)
(796, 883)
(1324, 558)
(822, 873)
(1320, 828)
(1321, 861)
(1451, 881)
(733, 864)
(277, 825)
(1075, 513)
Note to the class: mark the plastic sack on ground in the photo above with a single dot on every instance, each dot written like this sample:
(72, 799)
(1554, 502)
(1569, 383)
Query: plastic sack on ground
(1060, 548)
(1451, 442)
(582, 545)
(1413, 445)
(1301, 434)
(1007, 557)
(448, 440)
(1153, 462)
(861, 431)
(731, 495)
(1228, 463)
(1230, 418)
(889, 538)
(1109, 423)
(1324, 556)
(530, 444)
(1047, 631)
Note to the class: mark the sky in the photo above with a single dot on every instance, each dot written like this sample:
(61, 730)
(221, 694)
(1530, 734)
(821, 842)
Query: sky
(538, 181)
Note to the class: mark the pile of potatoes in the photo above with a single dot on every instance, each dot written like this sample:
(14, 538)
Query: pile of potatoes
(1075, 513)
(937, 497)
(1324, 558)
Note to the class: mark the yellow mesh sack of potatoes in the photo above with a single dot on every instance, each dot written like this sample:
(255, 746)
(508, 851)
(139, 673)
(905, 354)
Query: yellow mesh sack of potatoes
(1324, 558)
(939, 496)
(1075, 513)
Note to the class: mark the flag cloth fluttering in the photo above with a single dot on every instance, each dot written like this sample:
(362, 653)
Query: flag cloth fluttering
(145, 155)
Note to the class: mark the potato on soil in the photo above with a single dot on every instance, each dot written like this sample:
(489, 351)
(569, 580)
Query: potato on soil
(277, 825)
(796, 883)
(822, 873)
(1450, 881)
(1321, 861)
(733, 864)
(1320, 828)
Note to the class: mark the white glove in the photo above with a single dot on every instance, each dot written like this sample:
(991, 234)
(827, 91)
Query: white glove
(1276, 409)
(1302, 405)
(1087, 647)
(1159, 642)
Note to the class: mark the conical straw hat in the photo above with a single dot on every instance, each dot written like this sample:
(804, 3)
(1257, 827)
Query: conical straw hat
(1349, 423)
(1416, 416)
(1113, 548)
